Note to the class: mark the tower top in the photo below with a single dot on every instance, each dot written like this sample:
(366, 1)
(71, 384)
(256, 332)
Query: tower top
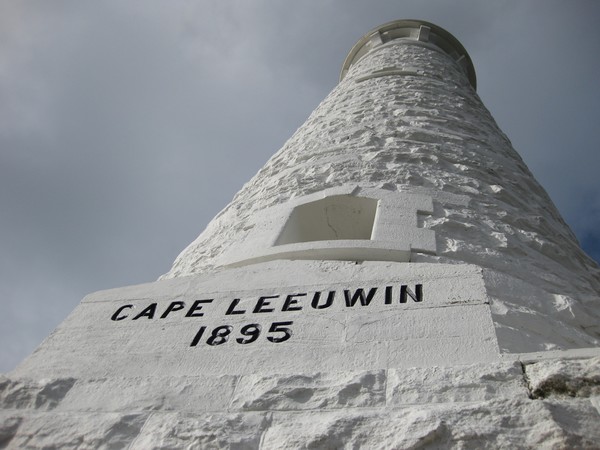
(412, 30)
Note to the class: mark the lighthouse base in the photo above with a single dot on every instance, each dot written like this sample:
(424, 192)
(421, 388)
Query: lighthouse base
(527, 401)
(277, 317)
(297, 354)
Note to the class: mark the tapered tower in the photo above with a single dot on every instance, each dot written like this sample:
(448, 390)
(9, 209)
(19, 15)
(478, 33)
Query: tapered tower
(393, 276)
(406, 161)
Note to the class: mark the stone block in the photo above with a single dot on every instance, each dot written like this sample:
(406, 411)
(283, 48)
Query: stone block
(185, 394)
(564, 377)
(44, 394)
(206, 431)
(460, 384)
(79, 430)
(310, 391)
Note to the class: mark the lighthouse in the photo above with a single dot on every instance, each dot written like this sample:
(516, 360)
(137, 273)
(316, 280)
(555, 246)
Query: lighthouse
(393, 277)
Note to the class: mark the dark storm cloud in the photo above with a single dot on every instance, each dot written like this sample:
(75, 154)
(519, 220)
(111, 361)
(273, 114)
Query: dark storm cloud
(126, 126)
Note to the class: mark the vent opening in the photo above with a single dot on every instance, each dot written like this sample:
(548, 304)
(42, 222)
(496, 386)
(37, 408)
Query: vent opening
(332, 218)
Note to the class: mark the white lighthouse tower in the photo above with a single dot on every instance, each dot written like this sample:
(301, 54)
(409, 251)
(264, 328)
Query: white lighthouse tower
(393, 277)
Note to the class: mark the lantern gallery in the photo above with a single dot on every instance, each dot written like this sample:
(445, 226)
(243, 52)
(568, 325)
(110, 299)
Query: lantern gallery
(276, 302)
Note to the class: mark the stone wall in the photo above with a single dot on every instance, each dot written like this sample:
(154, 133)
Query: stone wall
(528, 401)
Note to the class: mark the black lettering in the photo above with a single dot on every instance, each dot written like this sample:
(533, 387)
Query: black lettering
(147, 312)
(317, 297)
(197, 306)
(251, 331)
(220, 335)
(197, 337)
(173, 306)
(359, 294)
(262, 303)
(388, 295)
(116, 316)
(290, 301)
(231, 310)
(279, 327)
(417, 296)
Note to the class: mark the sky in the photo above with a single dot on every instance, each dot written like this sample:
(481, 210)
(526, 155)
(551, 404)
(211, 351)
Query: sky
(125, 126)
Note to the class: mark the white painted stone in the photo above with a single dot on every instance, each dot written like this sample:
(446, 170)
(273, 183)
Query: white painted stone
(487, 425)
(475, 406)
(529, 319)
(574, 378)
(310, 391)
(44, 394)
(475, 383)
(394, 233)
(500, 351)
(150, 393)
(209, 431)
(427, 135)
(72, 430)
(451, 325)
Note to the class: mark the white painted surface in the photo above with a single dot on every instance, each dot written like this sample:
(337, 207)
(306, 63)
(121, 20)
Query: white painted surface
(478, 363)
(417, 128)
(548, 403)
(451, 325)
(393, 234)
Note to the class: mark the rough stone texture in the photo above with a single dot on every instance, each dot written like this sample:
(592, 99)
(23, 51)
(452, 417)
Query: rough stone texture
(494, 424)
(184, 394)
(453, 370)
(209, 431)
(579, 378)
(42, 394)
(427, 134)
(72, 430)
(529, 319)
(447, 385)
(496, 405)
(319, 391)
